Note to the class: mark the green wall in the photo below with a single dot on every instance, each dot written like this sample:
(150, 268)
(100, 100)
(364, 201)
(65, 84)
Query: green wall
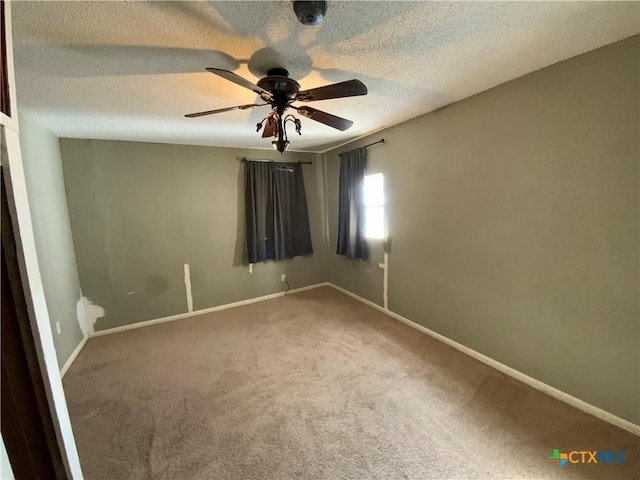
(52, 230)
(513, 217)
(140, 211)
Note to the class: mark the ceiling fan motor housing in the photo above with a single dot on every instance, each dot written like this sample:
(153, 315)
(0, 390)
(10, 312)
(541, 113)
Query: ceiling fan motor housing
(280, 85)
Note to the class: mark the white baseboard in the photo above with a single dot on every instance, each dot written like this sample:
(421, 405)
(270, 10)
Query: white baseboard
(532, 382)
(204, 311)
(73, 356)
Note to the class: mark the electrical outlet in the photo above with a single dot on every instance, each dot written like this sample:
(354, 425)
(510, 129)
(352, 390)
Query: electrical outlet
(283, 278)
(58, 328)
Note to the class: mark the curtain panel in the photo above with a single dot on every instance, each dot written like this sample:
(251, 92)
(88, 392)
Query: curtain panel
(277, 220)
(351, 217)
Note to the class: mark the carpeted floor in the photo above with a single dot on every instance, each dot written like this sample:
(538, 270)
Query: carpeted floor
(315, 386)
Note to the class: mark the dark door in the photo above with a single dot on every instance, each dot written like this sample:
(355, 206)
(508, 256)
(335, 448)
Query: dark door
(27, 425)
(5, 102)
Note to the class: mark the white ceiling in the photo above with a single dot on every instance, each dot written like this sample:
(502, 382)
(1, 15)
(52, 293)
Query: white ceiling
(131, 70)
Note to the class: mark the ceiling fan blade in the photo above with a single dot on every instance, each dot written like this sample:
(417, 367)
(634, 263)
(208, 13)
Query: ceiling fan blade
(350, 88)
(270, 127)
(220, 110)
(339, 123)
(238, 80)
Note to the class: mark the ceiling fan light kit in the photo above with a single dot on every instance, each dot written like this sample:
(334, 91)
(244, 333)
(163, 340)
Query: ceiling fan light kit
(280, 145)
(280, 91)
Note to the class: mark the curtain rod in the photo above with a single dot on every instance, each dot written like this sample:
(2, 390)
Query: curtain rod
(374, 143)
(244, 159)
(367, 146)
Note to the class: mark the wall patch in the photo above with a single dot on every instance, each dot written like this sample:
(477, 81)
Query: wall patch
(88, 313)
(187, 284)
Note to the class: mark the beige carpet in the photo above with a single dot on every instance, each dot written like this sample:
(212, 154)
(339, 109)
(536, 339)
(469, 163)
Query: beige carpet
(315, 386)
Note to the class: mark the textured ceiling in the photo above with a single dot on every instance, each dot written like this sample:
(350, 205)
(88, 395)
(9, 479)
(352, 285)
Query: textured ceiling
(131, 70)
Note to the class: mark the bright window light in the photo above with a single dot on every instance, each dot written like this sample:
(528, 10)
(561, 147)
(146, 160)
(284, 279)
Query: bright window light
(374, 206)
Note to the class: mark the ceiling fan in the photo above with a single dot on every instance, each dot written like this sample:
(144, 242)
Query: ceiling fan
(279, 91)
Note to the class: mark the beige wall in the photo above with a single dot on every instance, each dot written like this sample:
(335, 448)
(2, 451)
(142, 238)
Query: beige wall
(140, 211)
(514, 223)
(52, 230)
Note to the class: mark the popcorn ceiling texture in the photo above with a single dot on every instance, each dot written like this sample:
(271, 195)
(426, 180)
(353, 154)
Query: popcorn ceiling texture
(131, 70)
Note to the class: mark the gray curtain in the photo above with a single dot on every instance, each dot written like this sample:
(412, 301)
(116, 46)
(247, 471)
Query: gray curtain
(351, 240)
(277, 221)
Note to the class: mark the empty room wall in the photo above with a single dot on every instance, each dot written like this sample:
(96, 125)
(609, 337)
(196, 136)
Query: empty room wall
(513, 217)
(141, 211)
(51, 226)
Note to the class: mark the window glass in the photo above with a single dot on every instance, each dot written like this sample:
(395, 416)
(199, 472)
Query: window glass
(374, 205)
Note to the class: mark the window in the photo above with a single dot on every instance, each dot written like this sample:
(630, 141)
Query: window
(277, 221)
(374, 206)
